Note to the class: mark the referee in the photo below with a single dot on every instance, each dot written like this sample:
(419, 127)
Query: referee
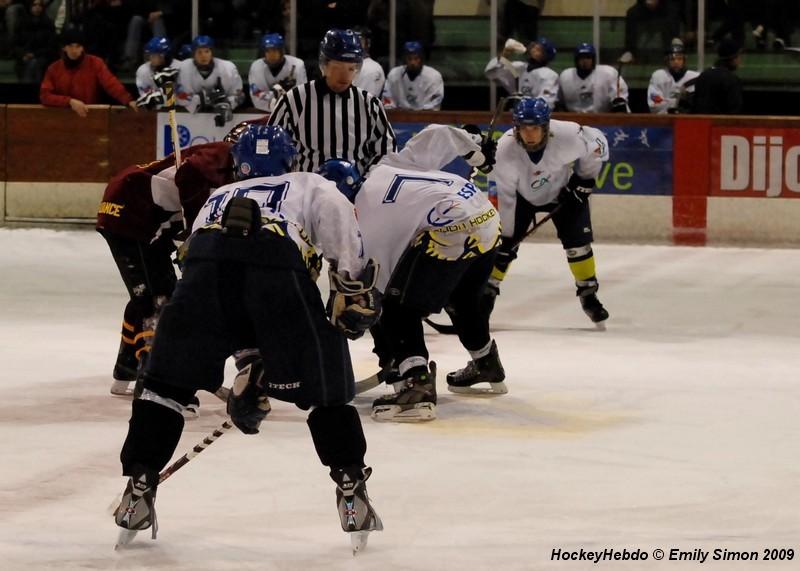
(330, 118)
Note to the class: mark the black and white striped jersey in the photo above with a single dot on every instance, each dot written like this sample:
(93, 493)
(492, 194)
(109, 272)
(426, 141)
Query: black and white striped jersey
(351, 125)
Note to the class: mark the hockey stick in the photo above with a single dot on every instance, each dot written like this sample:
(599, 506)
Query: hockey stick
(183, 460)
(169, 93)
(446, 329)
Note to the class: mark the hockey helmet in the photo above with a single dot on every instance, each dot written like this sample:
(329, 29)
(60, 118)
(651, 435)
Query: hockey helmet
(676, 53)
(158, 45)
(202, 42)
(548, 48)
(531, 111)
(341, 45)
(346, 176)
(185, 51)
(234, 134)
(272, 41)
(413, 48)
(262, 150)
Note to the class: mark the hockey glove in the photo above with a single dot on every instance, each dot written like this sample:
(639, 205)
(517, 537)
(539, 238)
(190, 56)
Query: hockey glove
(248, 404)
(577, 190)
(355, 305)
(165, 76)
(151, 100)
(484, 159)
(619, 105)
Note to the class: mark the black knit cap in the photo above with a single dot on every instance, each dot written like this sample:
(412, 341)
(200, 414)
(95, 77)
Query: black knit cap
(728, 49)
(72, 34)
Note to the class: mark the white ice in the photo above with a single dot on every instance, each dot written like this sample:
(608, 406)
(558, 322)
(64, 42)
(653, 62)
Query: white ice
(675, 428)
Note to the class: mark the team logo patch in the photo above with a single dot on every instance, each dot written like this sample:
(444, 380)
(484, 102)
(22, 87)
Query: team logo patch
(262, 146)
(245, 168)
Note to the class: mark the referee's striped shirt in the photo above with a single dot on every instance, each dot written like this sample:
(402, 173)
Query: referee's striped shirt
(351, 125)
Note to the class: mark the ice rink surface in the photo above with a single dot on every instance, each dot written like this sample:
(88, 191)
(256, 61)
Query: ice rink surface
(675, 428)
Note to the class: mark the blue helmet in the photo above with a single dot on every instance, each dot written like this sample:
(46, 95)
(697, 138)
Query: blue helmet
(158, 45)
(346, 176)
(203, 42)
(548, 47)
(262, 150)
(585, 49)
(341, 45)
(412, 48)
(275, 41)
(185, 51)
(530, 111)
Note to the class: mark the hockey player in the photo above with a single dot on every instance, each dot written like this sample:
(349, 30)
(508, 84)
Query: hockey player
(144, 207)
(592, 88)
(533, 78)
(159, 59)
(246, 283)
(208, 83)
(274, 73)
(433, 234)
(671, 87)
(542, 163)
(414, 85)
(371, 78)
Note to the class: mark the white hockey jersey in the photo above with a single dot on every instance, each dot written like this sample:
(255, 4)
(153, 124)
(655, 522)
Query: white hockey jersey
(144, 77)
(426, 91)
(540, 183)
(593, 94)
(663, 92)
(261, 80)
(309, 208)
(371, 78)
(515, 78)
(191, 83)
(405, 197)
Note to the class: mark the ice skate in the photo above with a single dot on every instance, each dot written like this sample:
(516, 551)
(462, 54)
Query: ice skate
(414, 402)
(124, 371)
(136, 511)
(594, 309)
(357, 515)
(483, 376)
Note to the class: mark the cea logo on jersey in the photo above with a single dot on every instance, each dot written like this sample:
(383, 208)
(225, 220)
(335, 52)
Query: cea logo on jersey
(766, 164)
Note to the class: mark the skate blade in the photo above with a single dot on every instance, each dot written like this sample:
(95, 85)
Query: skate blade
(125, 537)
(358, 541)
(601, 325)
(493, 389)
(121, 388)
(421, 412)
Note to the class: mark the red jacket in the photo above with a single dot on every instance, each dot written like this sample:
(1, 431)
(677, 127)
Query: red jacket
(60, 83)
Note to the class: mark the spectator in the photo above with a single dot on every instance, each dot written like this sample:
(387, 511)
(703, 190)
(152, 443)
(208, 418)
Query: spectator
(718, 90)
(663, 15)
(371, 76)
(532, 78)
(12, 12)
(672, 86)
(208, 83)
(35, 44)
(77, 79)
(592, 88)
(520, 19)
(158, 51)
(413, 85)
(776, 16)
(415, 20)
(114, 29)
(274, 73)
(733, 14)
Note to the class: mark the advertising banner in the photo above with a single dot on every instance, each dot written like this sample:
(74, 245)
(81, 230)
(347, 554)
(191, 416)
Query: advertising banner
(641, 158)
(755, 162)
(194, 129)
